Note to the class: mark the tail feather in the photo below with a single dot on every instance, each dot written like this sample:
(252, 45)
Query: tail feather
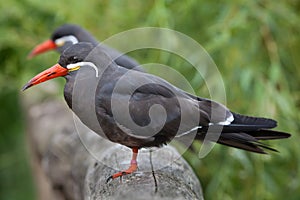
(244, 141)
(245, 132)
(245, 146)
(264, 134)
(253, 121)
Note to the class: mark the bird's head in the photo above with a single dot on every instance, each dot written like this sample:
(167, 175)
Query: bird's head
(62, 38)
(70, 60)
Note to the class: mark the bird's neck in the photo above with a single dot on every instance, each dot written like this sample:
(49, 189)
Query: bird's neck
(84, 36)
(68, 90)
(79, 93)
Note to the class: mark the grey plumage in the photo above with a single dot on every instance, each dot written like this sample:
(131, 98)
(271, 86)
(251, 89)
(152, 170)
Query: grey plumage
(241, 132)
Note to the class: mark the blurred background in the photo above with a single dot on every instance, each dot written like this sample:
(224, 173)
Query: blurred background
(255, 45)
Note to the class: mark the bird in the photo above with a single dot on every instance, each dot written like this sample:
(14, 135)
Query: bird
(144, 95)
(69, 34)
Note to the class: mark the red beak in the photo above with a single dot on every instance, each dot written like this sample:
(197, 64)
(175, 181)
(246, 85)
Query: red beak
(55, 71)
(45, 46)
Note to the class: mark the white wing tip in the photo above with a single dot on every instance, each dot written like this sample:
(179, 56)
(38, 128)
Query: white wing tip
(226, 122)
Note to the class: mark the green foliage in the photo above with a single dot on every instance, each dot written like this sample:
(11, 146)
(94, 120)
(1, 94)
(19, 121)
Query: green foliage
(255, 45)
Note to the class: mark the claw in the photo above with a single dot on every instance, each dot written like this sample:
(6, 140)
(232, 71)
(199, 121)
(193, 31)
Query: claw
(133, 167)
(109, 179)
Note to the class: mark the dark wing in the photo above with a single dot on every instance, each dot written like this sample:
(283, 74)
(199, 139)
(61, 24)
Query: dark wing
(147, 106)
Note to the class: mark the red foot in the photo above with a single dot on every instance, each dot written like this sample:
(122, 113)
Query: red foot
(133, 167)
(130, 170)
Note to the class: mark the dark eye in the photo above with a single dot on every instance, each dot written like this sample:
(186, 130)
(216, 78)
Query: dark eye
(74, 59)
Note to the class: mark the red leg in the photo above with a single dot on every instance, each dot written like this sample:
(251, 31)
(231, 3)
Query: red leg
(131, 169)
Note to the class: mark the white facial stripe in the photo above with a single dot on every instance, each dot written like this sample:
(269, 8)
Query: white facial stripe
(90, 64)
(69, 38)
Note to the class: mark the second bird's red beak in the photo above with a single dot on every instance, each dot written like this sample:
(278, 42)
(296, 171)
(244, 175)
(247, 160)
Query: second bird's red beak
(45, 46)
(55, 71)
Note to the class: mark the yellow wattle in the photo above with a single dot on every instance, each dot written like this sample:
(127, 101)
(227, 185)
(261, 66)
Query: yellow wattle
(74, 69)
